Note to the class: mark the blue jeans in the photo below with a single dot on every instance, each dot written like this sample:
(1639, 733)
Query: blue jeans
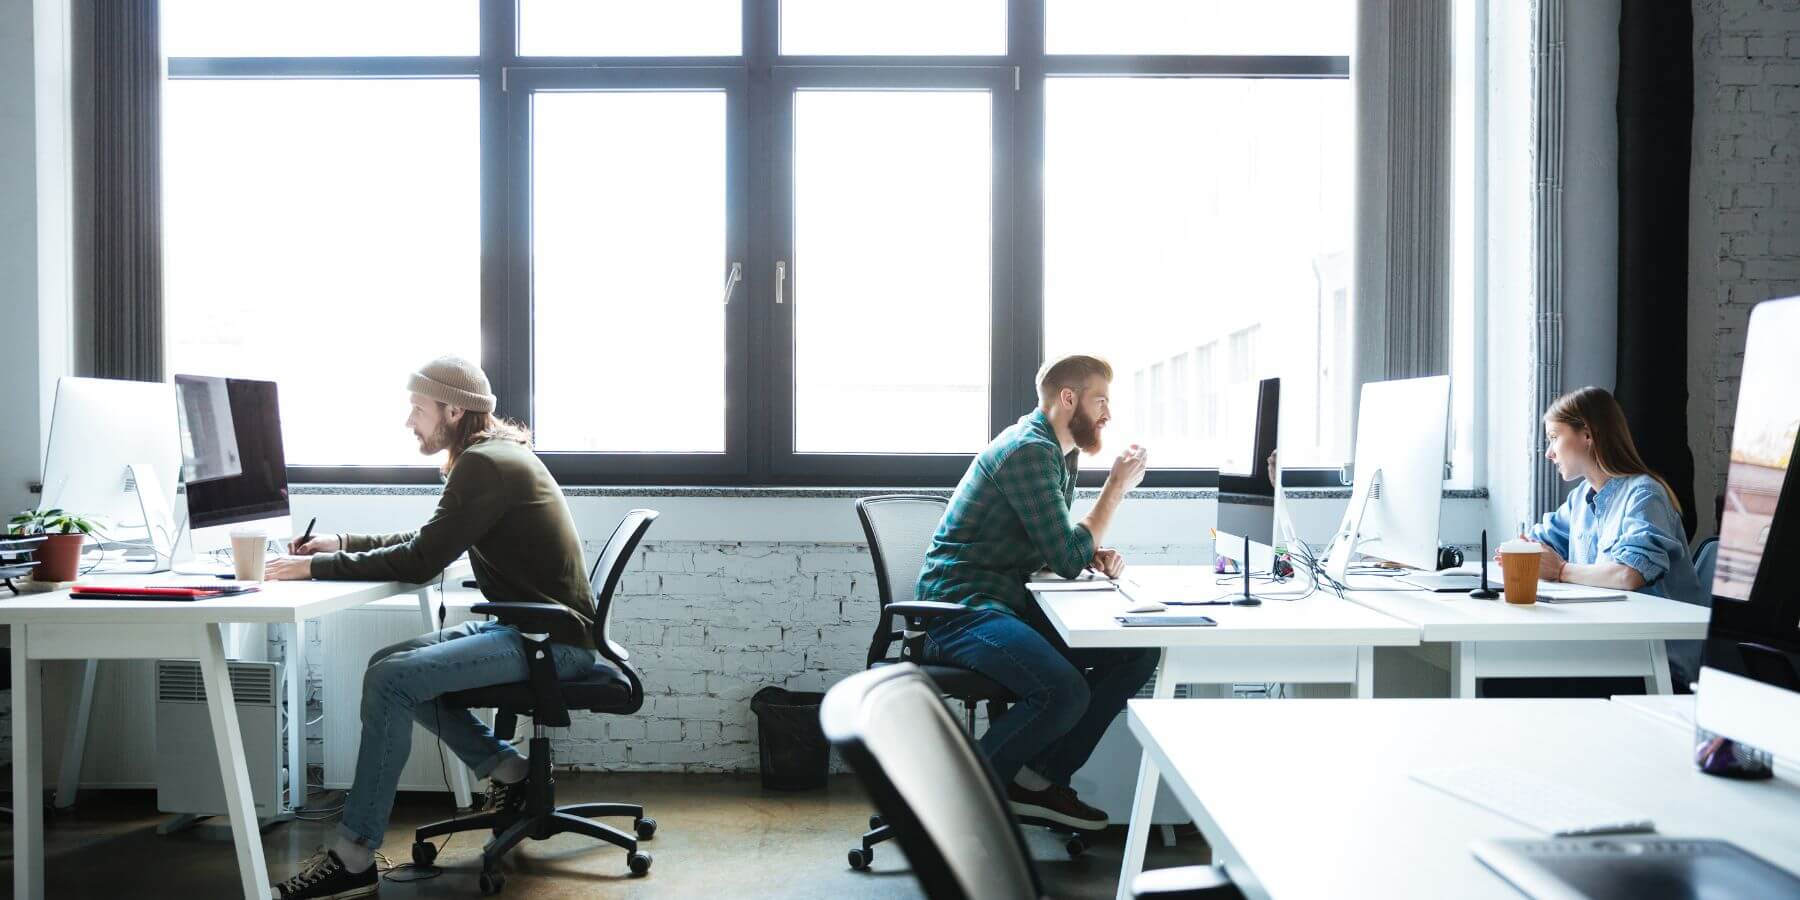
(403, 685)
(1067, 698)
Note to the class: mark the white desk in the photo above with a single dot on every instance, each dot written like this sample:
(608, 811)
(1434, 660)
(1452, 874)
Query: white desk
(1317, 639)
(53, 626)
(1325, 807)
(1495, 639)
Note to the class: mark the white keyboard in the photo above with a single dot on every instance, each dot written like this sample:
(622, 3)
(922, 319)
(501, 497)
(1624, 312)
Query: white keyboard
(1532, 800)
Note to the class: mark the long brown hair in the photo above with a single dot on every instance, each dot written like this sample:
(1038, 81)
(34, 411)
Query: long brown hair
(475, 427)
(1594, 411)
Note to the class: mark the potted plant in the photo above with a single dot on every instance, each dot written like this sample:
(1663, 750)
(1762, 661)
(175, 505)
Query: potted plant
(59, 556)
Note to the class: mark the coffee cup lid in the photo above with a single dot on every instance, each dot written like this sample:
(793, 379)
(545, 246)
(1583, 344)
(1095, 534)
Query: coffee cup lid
(1521, 546)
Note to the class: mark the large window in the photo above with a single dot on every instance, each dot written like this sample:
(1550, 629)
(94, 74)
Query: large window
(792, 242)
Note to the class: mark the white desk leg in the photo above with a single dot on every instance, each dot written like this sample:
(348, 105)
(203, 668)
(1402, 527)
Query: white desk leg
(296, 700)
(1143, 803)
(229, 743)
(1659, 681)
(455, 771)
(81, 707)
(1462, 670)
(28, 768)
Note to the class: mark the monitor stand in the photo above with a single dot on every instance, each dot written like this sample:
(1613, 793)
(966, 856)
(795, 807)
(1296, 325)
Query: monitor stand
(159, 524)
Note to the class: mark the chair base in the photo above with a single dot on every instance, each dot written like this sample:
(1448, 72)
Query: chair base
(539, 820)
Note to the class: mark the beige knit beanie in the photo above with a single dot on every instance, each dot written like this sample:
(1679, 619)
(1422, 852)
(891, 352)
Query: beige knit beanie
(456, 381)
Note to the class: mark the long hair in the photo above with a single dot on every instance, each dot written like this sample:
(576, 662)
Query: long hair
(1594, 411)
(475, 427)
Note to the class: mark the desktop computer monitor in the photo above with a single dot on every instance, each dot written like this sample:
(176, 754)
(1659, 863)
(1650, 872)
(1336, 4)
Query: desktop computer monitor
(1750, 677)
(231, 442)
(114, 455)
(1402, 432)
(1247, 495)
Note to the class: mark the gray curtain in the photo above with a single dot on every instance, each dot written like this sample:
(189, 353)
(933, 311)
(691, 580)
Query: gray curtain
(119, 75)
(1547, 488)
(1403, 75)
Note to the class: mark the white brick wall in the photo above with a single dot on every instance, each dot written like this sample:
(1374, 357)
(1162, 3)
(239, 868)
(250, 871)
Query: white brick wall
(1745, 221)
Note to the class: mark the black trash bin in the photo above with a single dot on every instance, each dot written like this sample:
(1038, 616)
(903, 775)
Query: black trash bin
(795, 755)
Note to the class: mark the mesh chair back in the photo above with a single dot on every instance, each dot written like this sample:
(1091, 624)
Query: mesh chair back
(931, 784)
(608, 569)
(899, 528)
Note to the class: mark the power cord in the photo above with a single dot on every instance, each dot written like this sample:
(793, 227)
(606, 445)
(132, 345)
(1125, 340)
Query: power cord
(418, 872)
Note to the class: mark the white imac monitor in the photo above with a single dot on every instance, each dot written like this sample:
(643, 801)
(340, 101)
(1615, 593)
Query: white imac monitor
(1402, 433)
(1750, 677)
(114, 455)
(233, 453)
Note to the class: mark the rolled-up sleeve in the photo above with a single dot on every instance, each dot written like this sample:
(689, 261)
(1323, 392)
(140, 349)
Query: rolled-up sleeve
(1554, 529)
(1031, 480)
(1645, 541)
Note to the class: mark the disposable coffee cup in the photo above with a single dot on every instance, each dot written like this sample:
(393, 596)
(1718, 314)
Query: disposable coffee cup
(1519, 568)
(249, 549)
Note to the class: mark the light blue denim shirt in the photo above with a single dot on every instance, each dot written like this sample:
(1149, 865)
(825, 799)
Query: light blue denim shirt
(1630, 521)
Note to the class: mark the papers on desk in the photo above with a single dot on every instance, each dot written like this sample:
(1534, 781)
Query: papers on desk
(1563, 592)
(1086, 581)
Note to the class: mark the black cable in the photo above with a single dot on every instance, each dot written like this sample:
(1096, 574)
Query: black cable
(426, 873)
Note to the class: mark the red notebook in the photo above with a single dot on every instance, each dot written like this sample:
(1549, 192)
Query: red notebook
(171, 592)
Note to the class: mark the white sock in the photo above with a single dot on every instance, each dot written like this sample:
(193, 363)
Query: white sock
(353, 855)
(511, 770)
(1030, 780)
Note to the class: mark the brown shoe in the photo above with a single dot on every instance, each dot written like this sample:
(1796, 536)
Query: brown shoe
(1056, 807)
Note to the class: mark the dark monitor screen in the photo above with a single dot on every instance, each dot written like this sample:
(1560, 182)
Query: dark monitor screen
(1246, 495)
(1755, 630)
(243, 475)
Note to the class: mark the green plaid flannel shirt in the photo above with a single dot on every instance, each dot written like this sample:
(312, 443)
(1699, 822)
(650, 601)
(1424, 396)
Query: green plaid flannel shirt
(1008, 519)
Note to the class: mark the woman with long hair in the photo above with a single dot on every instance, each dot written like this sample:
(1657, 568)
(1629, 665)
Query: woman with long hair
(1621, 526)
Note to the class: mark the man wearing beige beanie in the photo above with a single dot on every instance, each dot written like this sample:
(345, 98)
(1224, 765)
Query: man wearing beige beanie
(501, 506)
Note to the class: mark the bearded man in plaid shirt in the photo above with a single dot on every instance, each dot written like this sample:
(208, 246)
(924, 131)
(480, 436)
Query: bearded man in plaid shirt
(1009, 518)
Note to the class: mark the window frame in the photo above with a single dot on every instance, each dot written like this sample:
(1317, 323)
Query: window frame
(760, 399)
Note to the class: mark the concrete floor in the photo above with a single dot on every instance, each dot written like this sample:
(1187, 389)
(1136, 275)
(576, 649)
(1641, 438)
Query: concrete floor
(719, 837)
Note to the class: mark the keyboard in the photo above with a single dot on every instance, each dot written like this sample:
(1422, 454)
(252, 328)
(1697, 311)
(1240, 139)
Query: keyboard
(1533, 800)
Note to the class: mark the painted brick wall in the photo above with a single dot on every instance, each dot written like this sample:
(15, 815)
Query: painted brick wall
(1745, 221)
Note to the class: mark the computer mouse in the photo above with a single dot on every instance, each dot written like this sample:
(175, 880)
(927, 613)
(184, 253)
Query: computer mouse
(1145, 606)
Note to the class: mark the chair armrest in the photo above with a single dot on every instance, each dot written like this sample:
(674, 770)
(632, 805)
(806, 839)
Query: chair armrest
(536, 618)
(532, 617)
(1185, 883)
(471, 584)
(924, 609)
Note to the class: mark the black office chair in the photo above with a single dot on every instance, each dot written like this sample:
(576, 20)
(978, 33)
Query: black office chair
(942, 800)
(611, 686)
(899, 528)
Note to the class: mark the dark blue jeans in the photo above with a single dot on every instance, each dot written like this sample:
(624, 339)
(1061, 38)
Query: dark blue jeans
(1067, 698)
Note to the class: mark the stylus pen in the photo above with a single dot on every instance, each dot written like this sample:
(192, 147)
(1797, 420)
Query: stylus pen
(308, 535)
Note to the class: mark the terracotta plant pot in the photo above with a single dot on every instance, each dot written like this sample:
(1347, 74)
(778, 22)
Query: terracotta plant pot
(59, 557)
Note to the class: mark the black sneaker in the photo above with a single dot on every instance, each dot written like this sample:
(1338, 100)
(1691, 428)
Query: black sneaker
(1055, 806)
(323, 877)
(506, 799)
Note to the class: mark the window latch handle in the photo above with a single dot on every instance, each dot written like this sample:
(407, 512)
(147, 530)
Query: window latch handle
(731, 280)
(780, 280)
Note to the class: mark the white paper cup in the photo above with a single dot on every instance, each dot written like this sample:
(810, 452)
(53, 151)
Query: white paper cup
(249, 552)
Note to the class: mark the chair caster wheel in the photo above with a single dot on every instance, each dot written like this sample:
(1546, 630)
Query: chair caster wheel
(646, 829)
(639, 862)
(424, 854)
(860, 858)
(491, 883)
(875, 822)
(1075, 846)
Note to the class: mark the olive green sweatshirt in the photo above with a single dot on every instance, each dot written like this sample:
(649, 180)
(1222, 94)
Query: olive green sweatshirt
(501, 505)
